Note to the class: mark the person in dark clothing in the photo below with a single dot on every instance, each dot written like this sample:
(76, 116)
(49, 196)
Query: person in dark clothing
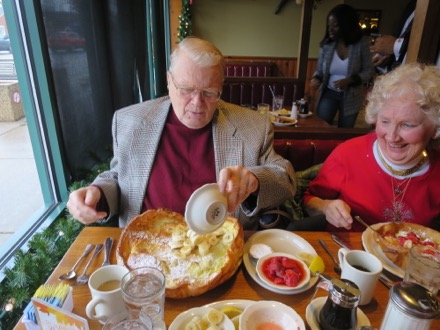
(389, 51)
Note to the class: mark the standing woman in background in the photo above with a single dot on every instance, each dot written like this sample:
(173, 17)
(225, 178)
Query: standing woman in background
(344, 67)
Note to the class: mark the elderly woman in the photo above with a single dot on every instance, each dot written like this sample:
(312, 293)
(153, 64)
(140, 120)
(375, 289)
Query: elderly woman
(392, 174)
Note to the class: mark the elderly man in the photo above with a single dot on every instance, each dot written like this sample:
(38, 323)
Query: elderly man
(166, 148)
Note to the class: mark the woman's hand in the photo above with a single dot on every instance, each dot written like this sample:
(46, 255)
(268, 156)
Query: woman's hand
(342, 84)
(315, 83)
(82, 205)
(337, 212)
(238, 183)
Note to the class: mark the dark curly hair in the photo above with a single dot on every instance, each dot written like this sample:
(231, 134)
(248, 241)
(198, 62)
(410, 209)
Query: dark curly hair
(348, 20)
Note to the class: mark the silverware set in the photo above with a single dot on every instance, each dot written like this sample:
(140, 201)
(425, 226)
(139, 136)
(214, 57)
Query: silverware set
(84, 277)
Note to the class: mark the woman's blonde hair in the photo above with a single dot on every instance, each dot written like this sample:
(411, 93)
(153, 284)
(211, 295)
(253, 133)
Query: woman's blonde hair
(422, 79)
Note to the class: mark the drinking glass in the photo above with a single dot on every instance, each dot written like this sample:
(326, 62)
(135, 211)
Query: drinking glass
(143, 286)
(263, 108)
(129, 320)
(154, 312)
(277, 102)
(424, 267)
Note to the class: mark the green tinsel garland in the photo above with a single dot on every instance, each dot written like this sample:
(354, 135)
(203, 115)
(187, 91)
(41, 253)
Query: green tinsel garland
(184, 29)
(32, 268)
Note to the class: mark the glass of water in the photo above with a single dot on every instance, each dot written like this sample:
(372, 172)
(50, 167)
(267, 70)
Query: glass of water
(129, 320)
(143, 286)
(277, 102)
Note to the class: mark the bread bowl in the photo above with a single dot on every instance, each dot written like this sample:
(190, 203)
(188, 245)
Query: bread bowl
(396, 238)
(193, 264)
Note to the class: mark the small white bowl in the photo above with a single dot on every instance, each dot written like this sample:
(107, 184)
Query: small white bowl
(184, 318)
(273, 312)
(206, 209)
(305, 115)
(304, 279)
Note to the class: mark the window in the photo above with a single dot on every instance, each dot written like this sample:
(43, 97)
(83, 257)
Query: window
(35, 96)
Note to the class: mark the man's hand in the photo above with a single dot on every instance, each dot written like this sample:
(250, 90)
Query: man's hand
(238, 183)
(82, 205)
(379, 60)
(384, 45)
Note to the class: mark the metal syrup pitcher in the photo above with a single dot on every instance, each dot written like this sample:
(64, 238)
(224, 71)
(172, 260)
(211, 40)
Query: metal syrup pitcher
(339, 310)
(303, 106)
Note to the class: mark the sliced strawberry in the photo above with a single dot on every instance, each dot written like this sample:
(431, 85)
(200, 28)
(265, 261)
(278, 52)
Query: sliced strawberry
(292, 278)
(401, 240)
(289, 263)
(413, 238)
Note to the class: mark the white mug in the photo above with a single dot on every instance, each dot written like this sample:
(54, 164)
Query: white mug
(363, 269)
(105, 287)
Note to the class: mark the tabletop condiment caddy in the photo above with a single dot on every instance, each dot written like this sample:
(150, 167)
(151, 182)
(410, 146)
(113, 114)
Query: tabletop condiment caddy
(59, 295)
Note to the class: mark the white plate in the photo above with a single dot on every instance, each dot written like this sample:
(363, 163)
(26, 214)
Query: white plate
(282, 112)
(240, 303)
(183, 318)
(313, 309)
(290, 123)
(305, 115)
(371, 246)
(280, 241)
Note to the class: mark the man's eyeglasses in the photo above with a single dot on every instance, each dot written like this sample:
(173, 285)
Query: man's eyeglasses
(209, 94)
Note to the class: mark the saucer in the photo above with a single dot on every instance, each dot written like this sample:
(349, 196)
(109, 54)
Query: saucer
(313, 309)
(305, 115)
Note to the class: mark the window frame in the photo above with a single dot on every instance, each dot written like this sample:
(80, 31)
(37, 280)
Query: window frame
(32, 66)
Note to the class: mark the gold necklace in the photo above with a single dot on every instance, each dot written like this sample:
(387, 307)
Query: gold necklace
(407, 172)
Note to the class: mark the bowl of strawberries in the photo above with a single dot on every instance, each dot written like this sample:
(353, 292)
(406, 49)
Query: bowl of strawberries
(283, 271)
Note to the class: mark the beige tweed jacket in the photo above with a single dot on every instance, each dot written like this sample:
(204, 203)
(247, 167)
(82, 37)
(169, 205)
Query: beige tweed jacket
(241, 137)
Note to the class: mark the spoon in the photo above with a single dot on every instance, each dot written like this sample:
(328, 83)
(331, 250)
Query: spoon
(108, 247)
(71, 274)
(337, 267)
(360, 220)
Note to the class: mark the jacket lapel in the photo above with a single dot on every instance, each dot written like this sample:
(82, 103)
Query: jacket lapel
(228, 148)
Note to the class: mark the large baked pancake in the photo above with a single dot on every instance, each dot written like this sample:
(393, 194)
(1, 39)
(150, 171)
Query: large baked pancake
(192, 264)
(398, 237)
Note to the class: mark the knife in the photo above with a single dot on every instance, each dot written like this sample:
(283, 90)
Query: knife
(341, 242)
(383, 278)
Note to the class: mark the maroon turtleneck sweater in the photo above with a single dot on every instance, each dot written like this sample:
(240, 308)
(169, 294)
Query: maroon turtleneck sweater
(184, 162)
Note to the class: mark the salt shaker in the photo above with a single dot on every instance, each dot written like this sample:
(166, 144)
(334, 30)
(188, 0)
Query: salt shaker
(294, 111)
(411, 307)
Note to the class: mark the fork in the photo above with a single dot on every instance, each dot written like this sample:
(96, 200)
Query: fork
(84, 278)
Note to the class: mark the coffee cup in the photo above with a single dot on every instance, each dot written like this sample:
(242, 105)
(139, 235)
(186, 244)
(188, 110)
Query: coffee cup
(206, 209)
(105, 288)
(363, 269)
